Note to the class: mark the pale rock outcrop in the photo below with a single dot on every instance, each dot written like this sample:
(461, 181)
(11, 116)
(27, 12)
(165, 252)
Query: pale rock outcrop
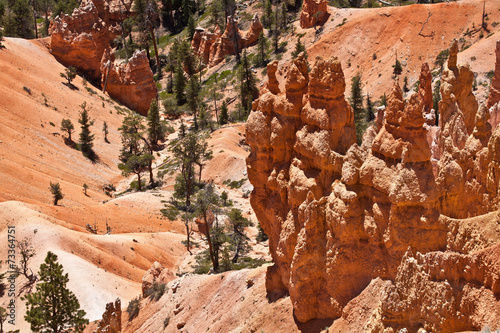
(130, 81)
(213, 47)
(111, 321)
(314, 13)
(156, 274)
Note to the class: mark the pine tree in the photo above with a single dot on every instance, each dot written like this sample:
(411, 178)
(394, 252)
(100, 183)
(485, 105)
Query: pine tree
(53, 307)
(248, 88)
(179, 84)
(55, 189)
(190, 27)
(147, 19)
(370, 109)
(262, 47)
(86, 137)
(207, 200)
(224, 117)
(67, 126)
(156, 128)
(398, 68)
(436, 97)
(356, 101)
(136, 153)
(18, 21)
(69, 75)
(299, 47)
(238, 238)
(192, 96)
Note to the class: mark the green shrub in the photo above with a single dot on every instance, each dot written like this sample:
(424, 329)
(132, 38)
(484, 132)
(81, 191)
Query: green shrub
(156, 291)
(133, 308)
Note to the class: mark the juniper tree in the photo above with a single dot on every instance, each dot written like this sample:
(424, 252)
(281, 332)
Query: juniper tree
(69, 75)
(53, 307)
(67, 126)
(55, 190)
(86, 137)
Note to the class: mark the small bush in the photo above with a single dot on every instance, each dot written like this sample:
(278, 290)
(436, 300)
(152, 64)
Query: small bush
(156, 291)
(165, 322)
(133, 308)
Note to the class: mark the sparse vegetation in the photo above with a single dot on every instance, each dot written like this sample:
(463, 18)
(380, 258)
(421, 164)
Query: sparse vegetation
(69, 75)
(133, 308)
(55, 190)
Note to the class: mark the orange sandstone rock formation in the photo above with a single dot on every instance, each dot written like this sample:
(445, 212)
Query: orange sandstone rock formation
(314, 12)
(111, 318)
(346, 221)
(213, 47)
(130, 81)
(83, 40)
(79, 40)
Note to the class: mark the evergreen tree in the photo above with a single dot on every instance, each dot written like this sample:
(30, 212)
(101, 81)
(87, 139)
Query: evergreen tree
(55, 190)
(224, 117)
(370, 109)
(67, 126)
(261, 60)
(436, 97)
(356, 101)
(86, 137)
(238, 238)
(398, 68)
(299, 47)
(136, 153)
(69, 74)
(179, 84)
(248, 88)
(405, 84)
(147, 19)
(207, 200)
(156, 128)
(191, 27)
(53, 307)
(192, 96)
(18, 21)
(64, 7)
